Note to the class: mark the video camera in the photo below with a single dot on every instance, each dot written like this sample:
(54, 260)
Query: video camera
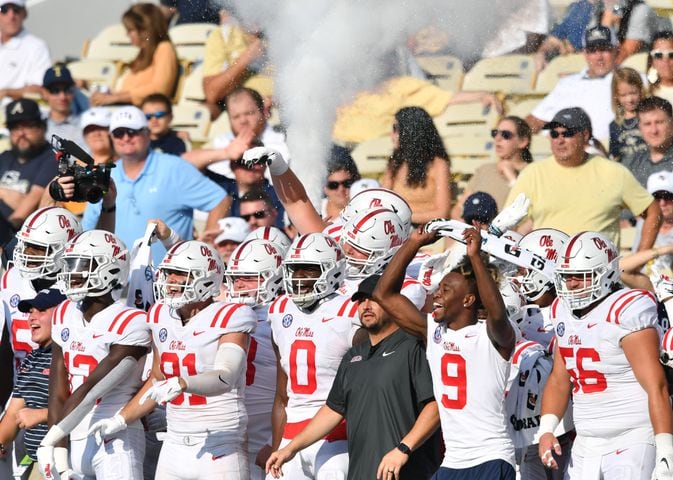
(91, 181)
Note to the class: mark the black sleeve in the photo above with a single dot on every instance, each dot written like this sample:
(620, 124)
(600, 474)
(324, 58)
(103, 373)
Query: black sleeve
(7, 362)
(420, 374)
(336, 400)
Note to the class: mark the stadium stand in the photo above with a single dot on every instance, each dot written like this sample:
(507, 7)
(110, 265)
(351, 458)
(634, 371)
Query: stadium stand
(111, 43)
(508, 73)
(190, 40)
(445, 71)
(466, 119)
(96, 73)
(559, 67)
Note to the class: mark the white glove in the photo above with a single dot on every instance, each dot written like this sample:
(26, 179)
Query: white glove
(510, 216)
(663, 470)
(663, 285)
(107, 427)
(46, 463)
(432, 271)
(164, 391)
(264, 155)
(436, 224)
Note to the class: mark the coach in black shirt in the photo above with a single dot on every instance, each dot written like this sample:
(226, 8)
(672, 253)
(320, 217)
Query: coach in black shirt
(383, 389)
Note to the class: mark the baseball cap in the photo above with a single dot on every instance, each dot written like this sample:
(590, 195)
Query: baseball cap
(574, 118)
(128, 117)
(22, 110)
(363, 184)
(233, 228)
(366, 288)
(98, 116)
(660, 182)
(480, 206)
(19, 3)
(599, 36)
(44, 299)
(57, 74)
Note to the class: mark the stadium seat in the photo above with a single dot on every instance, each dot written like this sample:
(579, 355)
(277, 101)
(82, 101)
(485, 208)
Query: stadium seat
(469, 153)
(522, 108)
(111, 43)
(95, 72)
(540, 147)
(637, 61)
(190, 40)
(466, 119)
(662, 7)
(219, 126)
(627, 237)
(192, 87)
(445, 71)
(559, 67)
(192, 118)
(371, 156)
(507, 73)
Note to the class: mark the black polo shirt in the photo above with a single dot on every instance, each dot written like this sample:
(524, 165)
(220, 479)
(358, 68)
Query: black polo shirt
(380, 391)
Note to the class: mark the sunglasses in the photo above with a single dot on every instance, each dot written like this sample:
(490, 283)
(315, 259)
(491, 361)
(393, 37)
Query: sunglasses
(10, 6)
(333, 184)
(120, 132)
(259, 214)
(665, 196)
(55, 90)
(156, 115)
(659, 54)
(506, 134)
(569, 133)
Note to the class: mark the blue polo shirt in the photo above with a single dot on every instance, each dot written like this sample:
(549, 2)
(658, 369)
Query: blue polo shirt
(168, 188)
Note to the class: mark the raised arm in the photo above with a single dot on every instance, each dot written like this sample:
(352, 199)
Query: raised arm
(651, 226)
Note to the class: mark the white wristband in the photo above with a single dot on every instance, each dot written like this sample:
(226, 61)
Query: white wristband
(278, 166)
(664, 442)
(172, 239)
(548, 423)
(61, 460)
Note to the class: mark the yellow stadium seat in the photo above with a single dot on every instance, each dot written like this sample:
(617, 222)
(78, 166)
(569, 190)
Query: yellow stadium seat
(636, 61)
(540, 146)
(190, 40)
(371, 156)
(507, 73)
(466, 119)
(192, 87)
(559, 67)
(446, 71)
(111, 43)
(192, 118)
(522, 108)
(95, 72)
(627, 237)
(219, 126)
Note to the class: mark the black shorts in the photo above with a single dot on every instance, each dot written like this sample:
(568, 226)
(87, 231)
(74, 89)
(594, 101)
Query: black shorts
(491, 470)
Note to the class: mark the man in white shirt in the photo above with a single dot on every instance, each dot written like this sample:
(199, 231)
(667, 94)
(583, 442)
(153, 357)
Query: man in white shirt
(23, 57)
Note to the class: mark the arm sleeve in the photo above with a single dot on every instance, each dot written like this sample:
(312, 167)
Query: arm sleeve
(164, 74)
(635, 197)
(41, 61)
(336, 400)
(197, 191)
(638, 310)
(134, 330)
(21, 379)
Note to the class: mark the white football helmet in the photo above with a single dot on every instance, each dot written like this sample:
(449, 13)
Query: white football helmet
(204, 272)
(547, 243)
(667, 348)
(373, 198)
(378, 234)
(255, 258)
(313, 249)
(272, 234)
(49, 228)
(94, 263)
(593, 257)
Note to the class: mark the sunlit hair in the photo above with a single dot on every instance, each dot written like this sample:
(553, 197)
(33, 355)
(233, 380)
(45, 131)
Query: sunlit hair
(152, 28)
(630, 77)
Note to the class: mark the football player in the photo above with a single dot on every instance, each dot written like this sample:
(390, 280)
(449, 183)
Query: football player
(607, 358)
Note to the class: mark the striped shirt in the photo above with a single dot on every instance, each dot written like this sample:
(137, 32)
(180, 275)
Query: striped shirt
(32, 385)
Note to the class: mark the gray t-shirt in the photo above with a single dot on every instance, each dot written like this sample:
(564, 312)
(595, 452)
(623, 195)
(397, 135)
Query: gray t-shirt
(642, 166)
(69, 129)
(643, 23)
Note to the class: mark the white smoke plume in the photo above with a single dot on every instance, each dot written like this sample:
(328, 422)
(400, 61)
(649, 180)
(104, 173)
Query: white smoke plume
(326, 51)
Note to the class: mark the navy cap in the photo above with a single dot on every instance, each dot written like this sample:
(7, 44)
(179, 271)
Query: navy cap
(22, 110)
(366, 288)
(479, 206)
(43, 300)
(573, 117)
(599, 37)
(57, 74)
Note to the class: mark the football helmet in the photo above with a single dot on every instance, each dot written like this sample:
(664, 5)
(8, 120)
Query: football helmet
(51, 229)
(204, 272)
(272, 234)
(667, 348)
(255, 258)
(547, 243)
(377, 234)
(593, 259)
(313, 249)
(94, 263)
(378, 198)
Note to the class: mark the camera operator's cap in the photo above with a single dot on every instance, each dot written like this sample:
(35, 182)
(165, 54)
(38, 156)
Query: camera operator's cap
(366, 288)
(44, 299)
(234, 229)
(660, 182)
(18, 3)
(22, 110)
(600, 37)
(128, 117)
(480, 206)
(98, 116)
(574, 118)
(57, 74)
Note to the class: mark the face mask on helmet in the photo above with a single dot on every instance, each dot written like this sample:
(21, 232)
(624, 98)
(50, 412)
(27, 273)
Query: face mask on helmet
(254, 274)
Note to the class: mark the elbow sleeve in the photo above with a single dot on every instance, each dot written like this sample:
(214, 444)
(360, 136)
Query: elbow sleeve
(230, 363)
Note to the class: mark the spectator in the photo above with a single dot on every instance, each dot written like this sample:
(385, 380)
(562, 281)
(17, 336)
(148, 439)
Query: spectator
(155, 69)
(573, 192)
(159, 113)
(59, 91)
(342, 172)
(95, 125)
(390, 427)
(627, 91)
(258, 209)
(190, 11)
(28, 407)
(23, 57)
(479, 210)
(660, 186)
(523, 31)
(635, 22)
(28, 167)
(418, 169)
(589, 89)
(660, 65)
(154, 185)
(512, 141)
(233, 231)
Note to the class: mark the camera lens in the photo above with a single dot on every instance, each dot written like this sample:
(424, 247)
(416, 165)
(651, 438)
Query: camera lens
(94, 194)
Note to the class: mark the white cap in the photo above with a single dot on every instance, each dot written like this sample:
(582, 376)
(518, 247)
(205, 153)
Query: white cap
(20, 3)
(363, 184)
(660, 181)
(128, 117)
(233, 228)
(98, 116)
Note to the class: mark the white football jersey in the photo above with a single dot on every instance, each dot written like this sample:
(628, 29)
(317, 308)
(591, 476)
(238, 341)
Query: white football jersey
(86, 344)
(411, 288)
(13, 289)
(603, 381)
(190, 349)
(311, 346)
(469, 379)
(536, 326)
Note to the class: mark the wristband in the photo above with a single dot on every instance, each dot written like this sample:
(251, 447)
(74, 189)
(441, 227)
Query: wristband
(172, 239)
(109, 210)
(61, 460)
(404, 448)
(548, 423)
(664, 442)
